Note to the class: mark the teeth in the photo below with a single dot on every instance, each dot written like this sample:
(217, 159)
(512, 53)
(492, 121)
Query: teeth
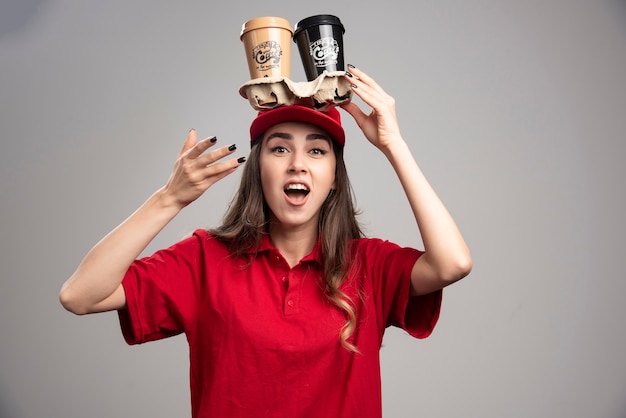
(297, 187)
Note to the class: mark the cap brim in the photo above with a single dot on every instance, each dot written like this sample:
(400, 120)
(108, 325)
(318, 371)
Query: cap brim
(324, 120)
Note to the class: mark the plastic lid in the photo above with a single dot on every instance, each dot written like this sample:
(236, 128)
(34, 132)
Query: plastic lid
(265, 22)
(318, 20)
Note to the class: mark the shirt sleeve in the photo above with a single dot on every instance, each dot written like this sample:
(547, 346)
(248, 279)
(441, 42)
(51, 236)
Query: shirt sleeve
(162, 292)
(390, 268)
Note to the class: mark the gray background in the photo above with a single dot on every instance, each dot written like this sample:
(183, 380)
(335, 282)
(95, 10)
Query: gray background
(516, 111)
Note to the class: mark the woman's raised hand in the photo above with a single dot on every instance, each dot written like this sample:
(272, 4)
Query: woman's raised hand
(96, 285)
(380, 126)
(195, 171)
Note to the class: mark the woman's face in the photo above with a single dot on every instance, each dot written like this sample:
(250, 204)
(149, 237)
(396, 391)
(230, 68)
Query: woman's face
(297, 165)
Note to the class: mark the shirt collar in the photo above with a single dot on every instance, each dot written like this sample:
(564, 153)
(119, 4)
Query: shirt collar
(266, 246)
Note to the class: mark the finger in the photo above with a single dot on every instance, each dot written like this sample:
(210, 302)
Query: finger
(362, 78)
(362, 90)
(368, 90)
(355, 111)
(200, 147)
(216, 155)
(376, 98)
(189, 142)
(218, 171)
(368, 96)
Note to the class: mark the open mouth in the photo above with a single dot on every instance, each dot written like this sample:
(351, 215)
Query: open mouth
(296, 191)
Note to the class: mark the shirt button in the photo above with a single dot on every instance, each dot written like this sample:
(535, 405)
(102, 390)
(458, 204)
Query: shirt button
(284, 279)
(290, 303)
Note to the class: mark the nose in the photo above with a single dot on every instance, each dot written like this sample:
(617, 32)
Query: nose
(297, 162)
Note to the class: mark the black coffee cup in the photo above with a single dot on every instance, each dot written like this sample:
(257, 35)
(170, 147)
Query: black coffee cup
(320, 42)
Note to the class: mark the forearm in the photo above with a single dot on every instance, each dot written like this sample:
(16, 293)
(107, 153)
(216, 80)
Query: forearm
(100, 274)
(446, 252)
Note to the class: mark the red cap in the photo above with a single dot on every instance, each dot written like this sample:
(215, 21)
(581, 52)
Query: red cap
(329, 121)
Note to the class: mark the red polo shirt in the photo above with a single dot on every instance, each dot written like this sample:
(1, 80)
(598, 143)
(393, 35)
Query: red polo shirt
(264, 338)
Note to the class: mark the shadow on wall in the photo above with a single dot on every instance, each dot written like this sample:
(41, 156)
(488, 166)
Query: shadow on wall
(618, 11)
(15, 14)
(8, 407)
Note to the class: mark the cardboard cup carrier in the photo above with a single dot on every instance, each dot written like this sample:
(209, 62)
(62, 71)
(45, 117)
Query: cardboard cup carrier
(267, 42)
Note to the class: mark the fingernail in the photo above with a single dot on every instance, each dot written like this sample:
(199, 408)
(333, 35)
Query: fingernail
(241, 160)
(351, 66)
(213, 140)
(353, 86)
(232, 147)
(349, 74)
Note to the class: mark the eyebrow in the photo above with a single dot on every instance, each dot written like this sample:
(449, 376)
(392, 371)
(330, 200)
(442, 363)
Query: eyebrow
(309, 137)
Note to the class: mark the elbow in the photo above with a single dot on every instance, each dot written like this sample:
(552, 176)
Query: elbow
(464, 267)
(456, 270)
(71, 303)
(431, 275)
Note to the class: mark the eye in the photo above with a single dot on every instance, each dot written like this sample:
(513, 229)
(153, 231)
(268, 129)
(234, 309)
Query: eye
(278, 149)
(319, 151)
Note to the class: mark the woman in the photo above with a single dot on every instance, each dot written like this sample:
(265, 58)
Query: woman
(284, 305)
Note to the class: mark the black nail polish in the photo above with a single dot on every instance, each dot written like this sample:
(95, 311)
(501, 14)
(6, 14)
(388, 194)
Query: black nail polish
(241, 160)
(349, 74)
(351, 66)
(353, 86)
(232, 147)
(213, 140)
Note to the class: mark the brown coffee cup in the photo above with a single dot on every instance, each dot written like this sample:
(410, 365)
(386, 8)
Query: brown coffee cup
(267, 42)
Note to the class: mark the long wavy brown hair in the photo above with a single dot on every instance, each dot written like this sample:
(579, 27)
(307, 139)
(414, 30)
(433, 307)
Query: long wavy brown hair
(247, 220)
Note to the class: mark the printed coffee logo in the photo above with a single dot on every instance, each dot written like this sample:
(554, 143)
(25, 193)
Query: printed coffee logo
(267, 55)
(325, 51)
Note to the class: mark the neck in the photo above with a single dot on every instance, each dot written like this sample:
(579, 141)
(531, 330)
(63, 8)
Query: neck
(293, 243)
